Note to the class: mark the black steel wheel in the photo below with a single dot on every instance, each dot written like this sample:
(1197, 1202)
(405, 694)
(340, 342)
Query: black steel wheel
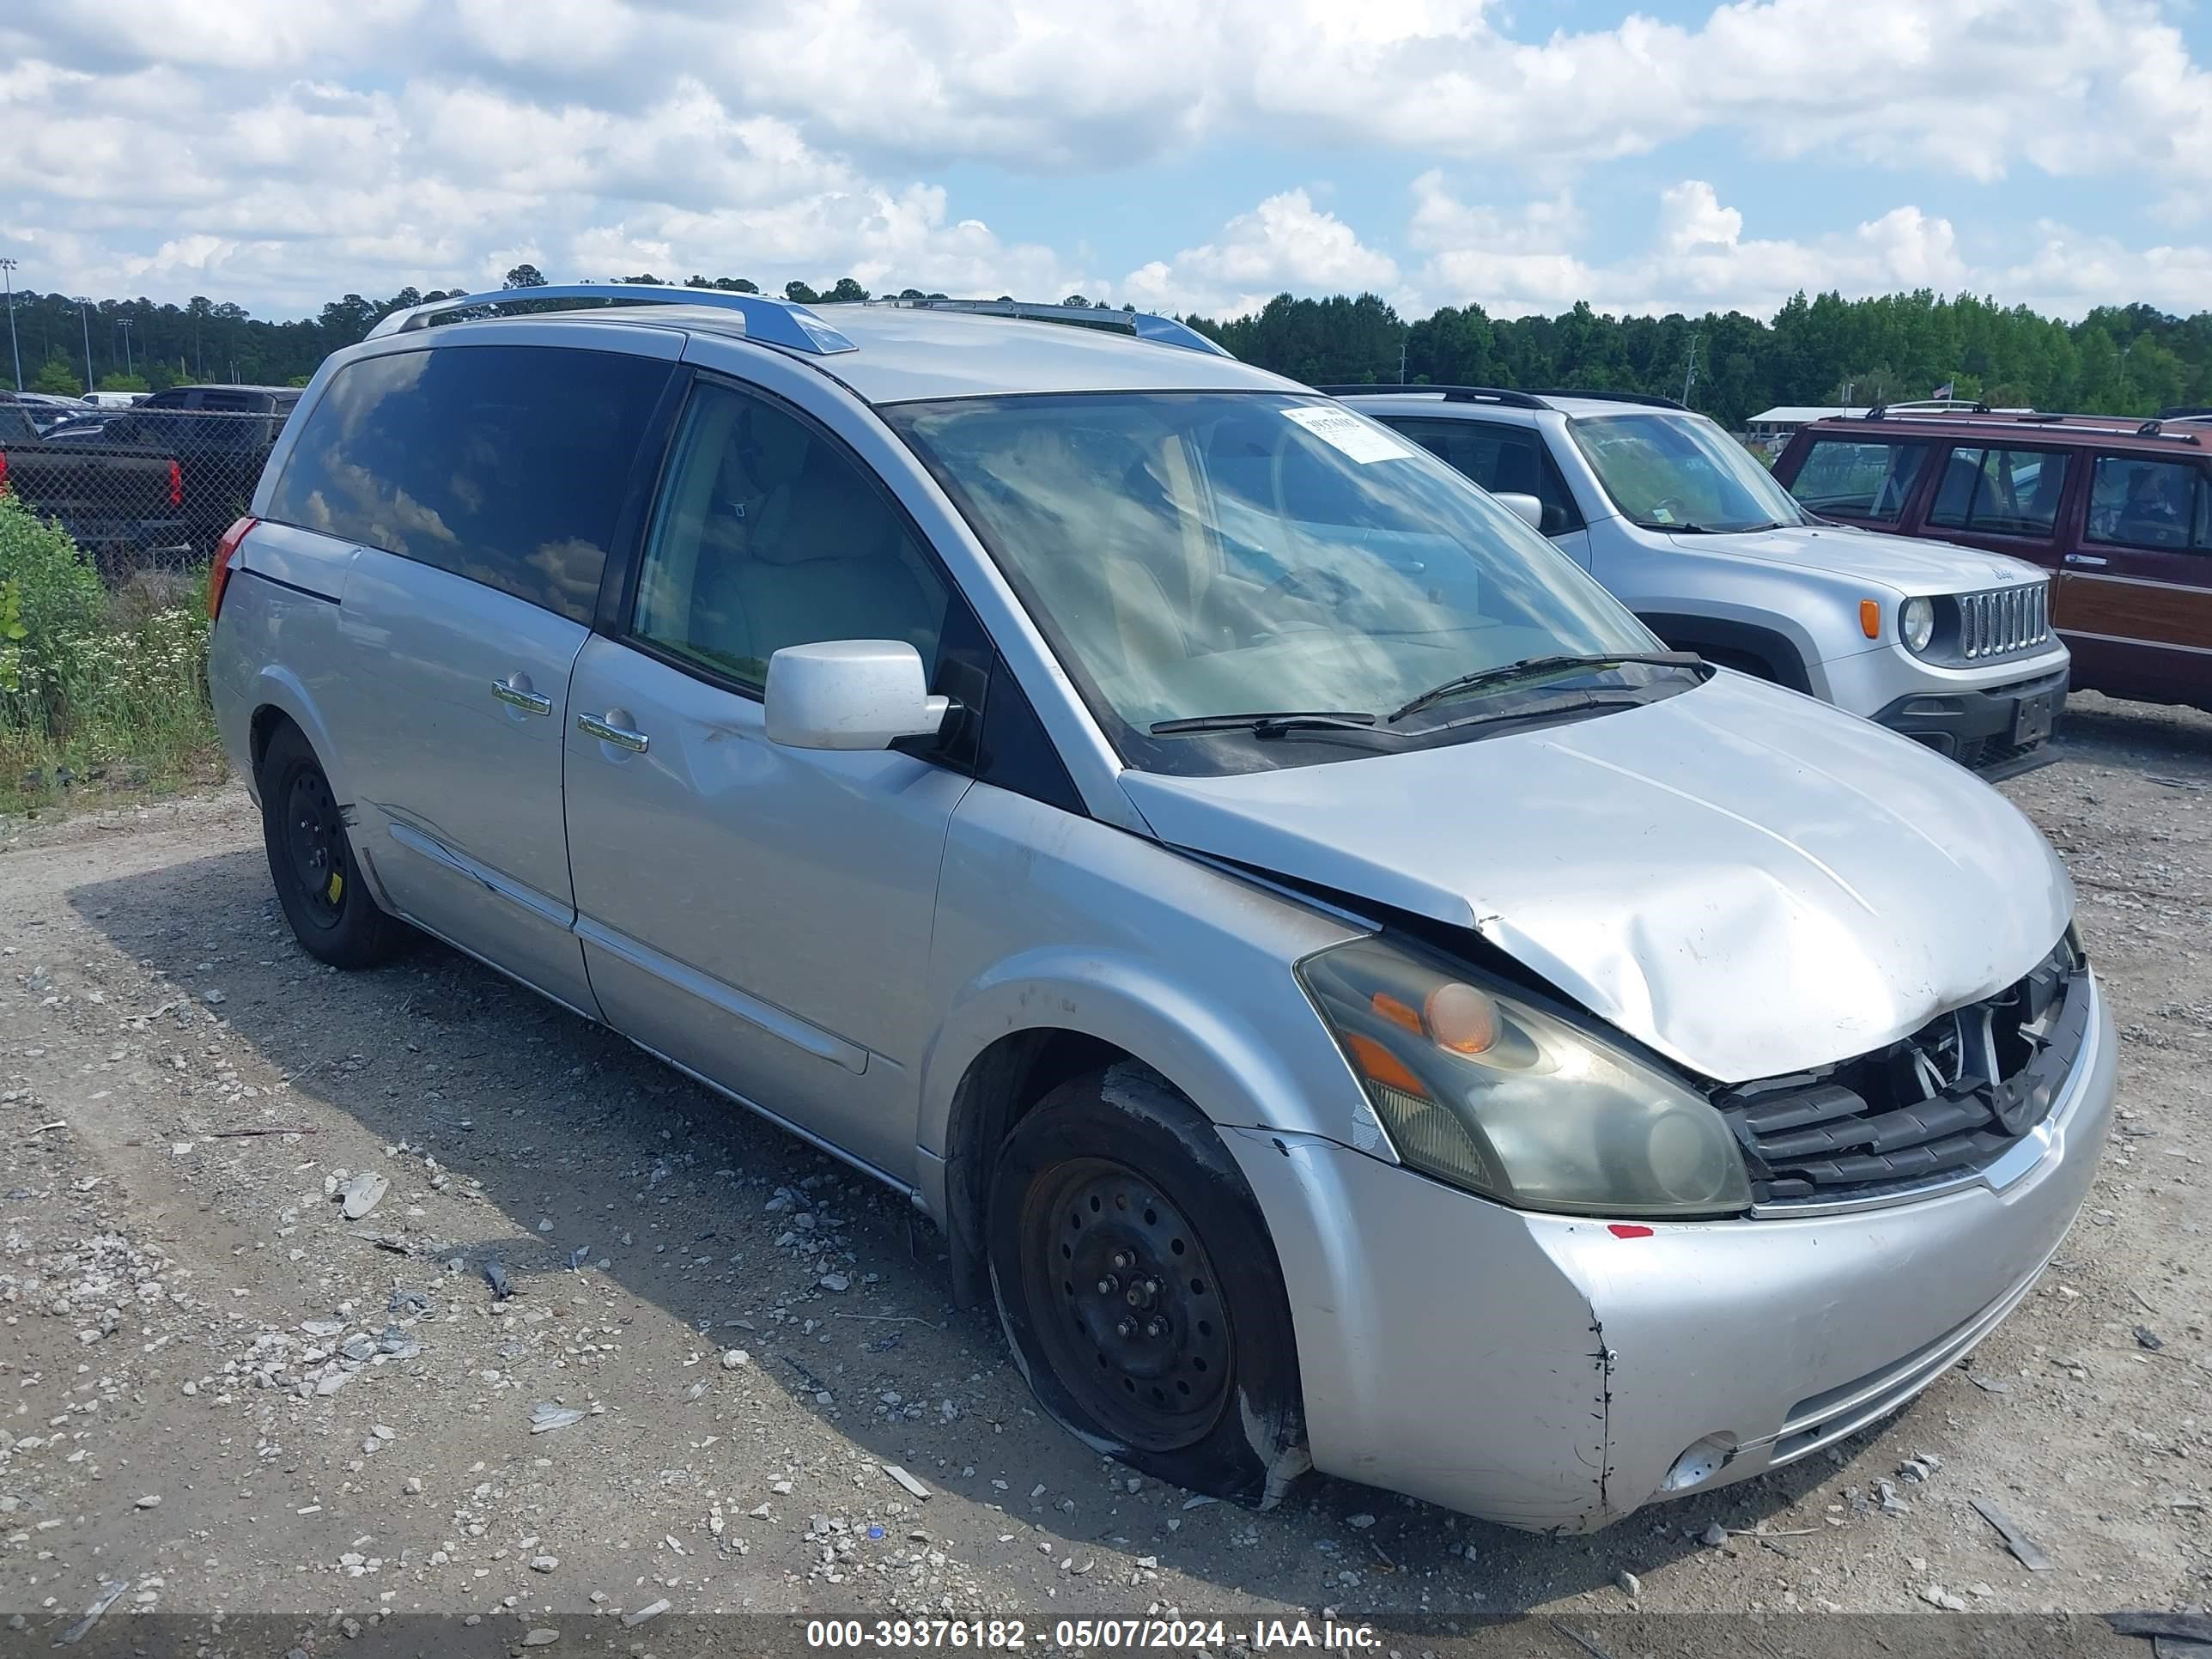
(315, 843)
(1140, 1289)
(1130, 1311)
(310, 861)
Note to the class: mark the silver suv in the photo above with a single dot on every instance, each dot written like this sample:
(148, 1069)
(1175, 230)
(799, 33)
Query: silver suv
(1350, 996)
(1950, 645)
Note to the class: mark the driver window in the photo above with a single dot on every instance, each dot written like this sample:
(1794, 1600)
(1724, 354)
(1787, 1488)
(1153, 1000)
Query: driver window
(767, 534)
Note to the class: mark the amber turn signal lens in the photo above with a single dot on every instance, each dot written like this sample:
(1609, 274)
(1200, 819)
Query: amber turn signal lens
(1397, 1012)
(1378, 1065)
(1870, 618)
(1461, 1018)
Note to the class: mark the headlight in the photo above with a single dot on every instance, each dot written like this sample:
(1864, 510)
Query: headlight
(1481, 1088)
(1916, 623)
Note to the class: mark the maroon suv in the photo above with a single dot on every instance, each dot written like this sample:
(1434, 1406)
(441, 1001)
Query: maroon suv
(2120, 511)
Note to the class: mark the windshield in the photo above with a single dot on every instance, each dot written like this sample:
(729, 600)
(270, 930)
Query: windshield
(1681, 471)
(1199, 555)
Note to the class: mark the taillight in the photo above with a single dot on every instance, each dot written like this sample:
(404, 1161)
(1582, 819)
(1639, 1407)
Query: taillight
(176, 485)
(3, 469)
(219, 572)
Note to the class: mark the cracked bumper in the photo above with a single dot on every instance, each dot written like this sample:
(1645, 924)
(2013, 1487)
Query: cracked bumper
(1541, 1372)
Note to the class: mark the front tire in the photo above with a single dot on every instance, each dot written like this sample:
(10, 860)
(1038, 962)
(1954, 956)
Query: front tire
(311, 861)
(1139, 1290)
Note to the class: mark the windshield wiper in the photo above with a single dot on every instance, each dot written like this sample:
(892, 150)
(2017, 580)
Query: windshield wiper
(1567, 702)
(1268, 724)
(1713, 530)
(1528, 666)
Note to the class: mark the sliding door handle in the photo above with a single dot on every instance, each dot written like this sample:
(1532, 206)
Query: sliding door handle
(516, 696)
(607, 731)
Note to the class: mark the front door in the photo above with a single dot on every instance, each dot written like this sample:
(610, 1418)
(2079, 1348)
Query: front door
(2134, 592)
(2006, 499)
(762, 914)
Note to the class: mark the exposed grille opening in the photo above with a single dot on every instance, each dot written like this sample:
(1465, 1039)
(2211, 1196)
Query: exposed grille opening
(1944, 1102)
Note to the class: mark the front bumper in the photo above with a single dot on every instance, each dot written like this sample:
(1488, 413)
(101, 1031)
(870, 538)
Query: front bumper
(2000, 724)
(1544, 1373)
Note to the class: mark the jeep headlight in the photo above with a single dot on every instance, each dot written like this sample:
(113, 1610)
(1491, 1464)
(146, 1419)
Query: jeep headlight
(1478, 1087)
(1916, 623)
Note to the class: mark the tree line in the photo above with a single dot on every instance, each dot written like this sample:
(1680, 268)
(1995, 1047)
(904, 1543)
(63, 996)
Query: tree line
(1822, 349)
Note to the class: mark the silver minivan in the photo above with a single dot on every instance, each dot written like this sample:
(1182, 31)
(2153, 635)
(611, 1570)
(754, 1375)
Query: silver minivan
(1349, 995)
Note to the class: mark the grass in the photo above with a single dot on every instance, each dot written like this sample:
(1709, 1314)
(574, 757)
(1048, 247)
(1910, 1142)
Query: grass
(102, 695)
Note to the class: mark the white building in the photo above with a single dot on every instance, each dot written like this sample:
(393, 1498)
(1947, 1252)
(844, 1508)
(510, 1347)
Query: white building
(1774, 426)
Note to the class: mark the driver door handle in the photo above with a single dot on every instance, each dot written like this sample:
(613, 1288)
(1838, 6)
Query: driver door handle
(2085, 558)
(621, 736)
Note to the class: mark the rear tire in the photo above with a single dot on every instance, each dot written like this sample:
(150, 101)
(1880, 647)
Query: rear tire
(311, 861)
(1139, 1290)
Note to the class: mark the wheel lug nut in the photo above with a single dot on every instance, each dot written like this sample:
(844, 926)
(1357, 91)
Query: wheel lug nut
(1122, 1260)
(1109, 1284)
(1127, 1327)
(1154, 1328)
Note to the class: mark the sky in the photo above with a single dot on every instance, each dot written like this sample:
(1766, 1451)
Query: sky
(1196, 157)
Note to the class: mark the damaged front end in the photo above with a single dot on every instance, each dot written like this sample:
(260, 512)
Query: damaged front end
(1942, 1107)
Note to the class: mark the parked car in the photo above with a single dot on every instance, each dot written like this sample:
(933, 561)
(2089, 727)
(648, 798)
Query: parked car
(221, 435)
(122, 505)
(46, 409)
(1683, 526)
(2119, 510)
(1399, 1019)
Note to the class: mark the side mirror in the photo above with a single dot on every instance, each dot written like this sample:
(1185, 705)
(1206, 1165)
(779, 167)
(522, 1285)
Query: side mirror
(1527, 507)
(850, 694)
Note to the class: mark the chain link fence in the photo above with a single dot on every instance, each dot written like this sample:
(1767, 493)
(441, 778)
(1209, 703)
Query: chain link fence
(144, 492)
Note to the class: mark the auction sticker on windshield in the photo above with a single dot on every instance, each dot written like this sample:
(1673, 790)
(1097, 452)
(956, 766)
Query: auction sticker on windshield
(1341, 430)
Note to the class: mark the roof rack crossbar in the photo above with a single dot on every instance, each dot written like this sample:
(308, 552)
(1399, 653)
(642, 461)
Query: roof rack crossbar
(1504, 397)
(1144, 325)
(770, 322)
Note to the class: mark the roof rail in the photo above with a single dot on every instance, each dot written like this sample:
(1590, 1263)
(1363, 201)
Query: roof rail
(1501, 396)
(1648, 399)
(2150, 429)
(1144, 325)
(770, 322)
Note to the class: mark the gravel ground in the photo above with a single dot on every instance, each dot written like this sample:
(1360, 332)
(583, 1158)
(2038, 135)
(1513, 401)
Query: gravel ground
(217, 1392)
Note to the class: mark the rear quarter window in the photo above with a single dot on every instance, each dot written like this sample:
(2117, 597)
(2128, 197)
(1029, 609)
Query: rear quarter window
(1858, 478)
(506, 464)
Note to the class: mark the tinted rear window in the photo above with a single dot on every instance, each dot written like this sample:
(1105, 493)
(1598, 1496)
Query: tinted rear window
(506, 464)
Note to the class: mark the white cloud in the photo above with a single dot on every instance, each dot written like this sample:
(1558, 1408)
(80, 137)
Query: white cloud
(1697, 258)
(1284, 243)
(285, 150)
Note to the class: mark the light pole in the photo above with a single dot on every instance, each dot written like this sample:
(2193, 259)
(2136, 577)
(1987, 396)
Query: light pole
(84, 322)
(2124, 349)
(8, 282)
(124, 323)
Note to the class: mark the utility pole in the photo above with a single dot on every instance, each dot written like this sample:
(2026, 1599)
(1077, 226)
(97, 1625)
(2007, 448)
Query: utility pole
(1402, 360)
(1690, 373)
(8, 282)
(124, 323)
(84, 323)
(2124, 349)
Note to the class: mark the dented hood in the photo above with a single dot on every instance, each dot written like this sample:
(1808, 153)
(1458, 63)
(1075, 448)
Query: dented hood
(1747, 880)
